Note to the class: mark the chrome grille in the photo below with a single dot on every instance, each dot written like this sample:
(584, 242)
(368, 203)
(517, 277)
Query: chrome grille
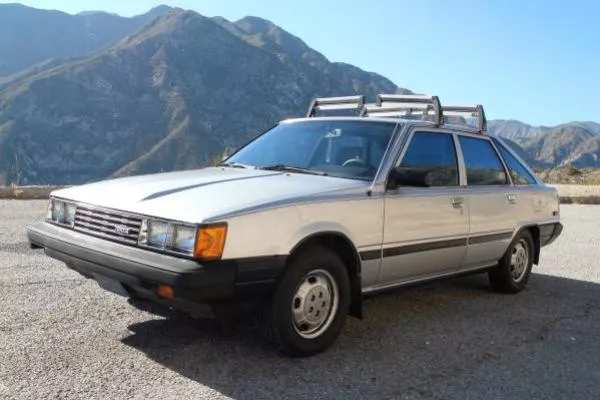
(108, 224)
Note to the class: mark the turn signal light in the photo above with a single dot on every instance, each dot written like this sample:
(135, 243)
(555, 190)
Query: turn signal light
(164, 291)
(210, 242)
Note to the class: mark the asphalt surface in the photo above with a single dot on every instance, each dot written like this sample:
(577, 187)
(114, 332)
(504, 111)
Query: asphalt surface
(61, 336)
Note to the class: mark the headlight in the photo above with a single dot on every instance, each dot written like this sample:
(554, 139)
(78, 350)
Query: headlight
(184, 239)
(61, 212)
(70, 209)
(160, 234)
(58, 211)
(205, 243)
(168, 236)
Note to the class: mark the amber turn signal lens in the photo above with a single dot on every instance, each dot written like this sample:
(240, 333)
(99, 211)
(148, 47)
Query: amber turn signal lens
(165, 291)
(210, 241)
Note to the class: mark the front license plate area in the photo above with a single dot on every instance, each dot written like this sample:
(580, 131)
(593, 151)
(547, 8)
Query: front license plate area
(110, 284)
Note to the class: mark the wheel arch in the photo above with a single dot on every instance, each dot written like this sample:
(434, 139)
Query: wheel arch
(341, 245)
(534, 229)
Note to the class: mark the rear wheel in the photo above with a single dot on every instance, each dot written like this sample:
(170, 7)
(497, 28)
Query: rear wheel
(308, 309)
(514, 268)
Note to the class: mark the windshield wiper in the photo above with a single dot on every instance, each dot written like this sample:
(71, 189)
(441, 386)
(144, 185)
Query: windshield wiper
(233, 165)
(289, 168)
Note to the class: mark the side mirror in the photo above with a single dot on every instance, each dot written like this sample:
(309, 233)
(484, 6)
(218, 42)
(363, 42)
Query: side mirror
(408, 177)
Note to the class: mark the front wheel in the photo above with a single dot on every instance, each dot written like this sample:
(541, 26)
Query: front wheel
(308, 309)
(514, 268)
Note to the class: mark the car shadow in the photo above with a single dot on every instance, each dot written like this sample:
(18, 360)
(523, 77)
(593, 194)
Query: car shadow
(452, 339)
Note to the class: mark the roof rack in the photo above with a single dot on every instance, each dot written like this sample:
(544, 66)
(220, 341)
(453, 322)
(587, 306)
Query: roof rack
(473, 111)
(400, 105)
(335, 103)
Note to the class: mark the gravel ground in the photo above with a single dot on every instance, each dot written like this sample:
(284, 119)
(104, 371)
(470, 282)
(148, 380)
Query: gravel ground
(63, 337)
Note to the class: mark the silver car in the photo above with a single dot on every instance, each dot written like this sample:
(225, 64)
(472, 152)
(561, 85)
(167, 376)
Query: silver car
(304, 220)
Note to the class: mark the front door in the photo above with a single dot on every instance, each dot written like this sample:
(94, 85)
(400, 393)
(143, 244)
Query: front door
(425, 228)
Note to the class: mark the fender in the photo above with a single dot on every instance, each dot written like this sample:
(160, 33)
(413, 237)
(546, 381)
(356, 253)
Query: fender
(343, 246)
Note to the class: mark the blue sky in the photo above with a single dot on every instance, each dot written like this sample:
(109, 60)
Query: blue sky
(535, 61)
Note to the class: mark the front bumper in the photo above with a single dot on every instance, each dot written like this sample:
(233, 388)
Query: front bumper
(209, 288)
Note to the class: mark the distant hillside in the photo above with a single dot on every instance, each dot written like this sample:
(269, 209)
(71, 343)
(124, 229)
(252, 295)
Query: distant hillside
(292, 51)
(528, 158)
(576, 144)
(519, 131)
(171, 96)
(94, 95)
(571, 176)
(515, 130)
(558, 145)
(29, 36)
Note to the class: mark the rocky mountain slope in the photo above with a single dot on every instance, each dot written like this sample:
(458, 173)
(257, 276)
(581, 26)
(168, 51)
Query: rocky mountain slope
(94, 95)
(29, 36)
(576, 144)
(515, 130)
(171, 96)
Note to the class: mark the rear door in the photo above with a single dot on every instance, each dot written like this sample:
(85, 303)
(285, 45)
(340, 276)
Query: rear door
(492, 202)
(425, 228)
(530, 203)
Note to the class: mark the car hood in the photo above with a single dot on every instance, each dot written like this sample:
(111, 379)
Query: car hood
(208, 194)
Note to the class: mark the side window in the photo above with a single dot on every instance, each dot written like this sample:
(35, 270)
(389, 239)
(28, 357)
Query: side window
(518, 173)
(434, 153)
(482, 162)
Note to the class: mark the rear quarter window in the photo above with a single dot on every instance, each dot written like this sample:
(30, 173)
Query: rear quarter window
(518, 172)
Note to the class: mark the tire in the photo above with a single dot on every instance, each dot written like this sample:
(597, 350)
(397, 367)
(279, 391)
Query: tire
(514, 268)
(308, 309)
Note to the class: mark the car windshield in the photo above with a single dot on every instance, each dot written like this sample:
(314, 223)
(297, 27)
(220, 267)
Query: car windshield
(345, 149)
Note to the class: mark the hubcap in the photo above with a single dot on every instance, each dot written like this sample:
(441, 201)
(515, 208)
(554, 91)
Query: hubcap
(315, 304)
(519, 260)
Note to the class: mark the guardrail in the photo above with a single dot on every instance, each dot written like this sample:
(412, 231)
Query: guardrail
(27, 192)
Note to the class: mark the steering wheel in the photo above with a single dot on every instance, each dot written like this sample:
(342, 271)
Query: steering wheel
(355, 161)
(359, 163)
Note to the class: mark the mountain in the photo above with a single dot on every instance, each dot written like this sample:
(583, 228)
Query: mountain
(520, 131)
(576, 143)
(173, 95)
(29, 36)
(553, 147)
(31, 71)
(525, 156)
(515, 130)
(292, 51)
(95, 95)
(593, 127)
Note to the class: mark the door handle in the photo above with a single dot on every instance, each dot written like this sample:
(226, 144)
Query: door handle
(512, 198)
(457, 202)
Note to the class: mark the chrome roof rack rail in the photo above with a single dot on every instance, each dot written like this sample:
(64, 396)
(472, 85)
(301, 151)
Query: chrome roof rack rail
(336, 103)
(473, 111)
(400, 105)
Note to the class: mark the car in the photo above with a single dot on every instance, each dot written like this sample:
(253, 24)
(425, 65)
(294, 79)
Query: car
(301, 223)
